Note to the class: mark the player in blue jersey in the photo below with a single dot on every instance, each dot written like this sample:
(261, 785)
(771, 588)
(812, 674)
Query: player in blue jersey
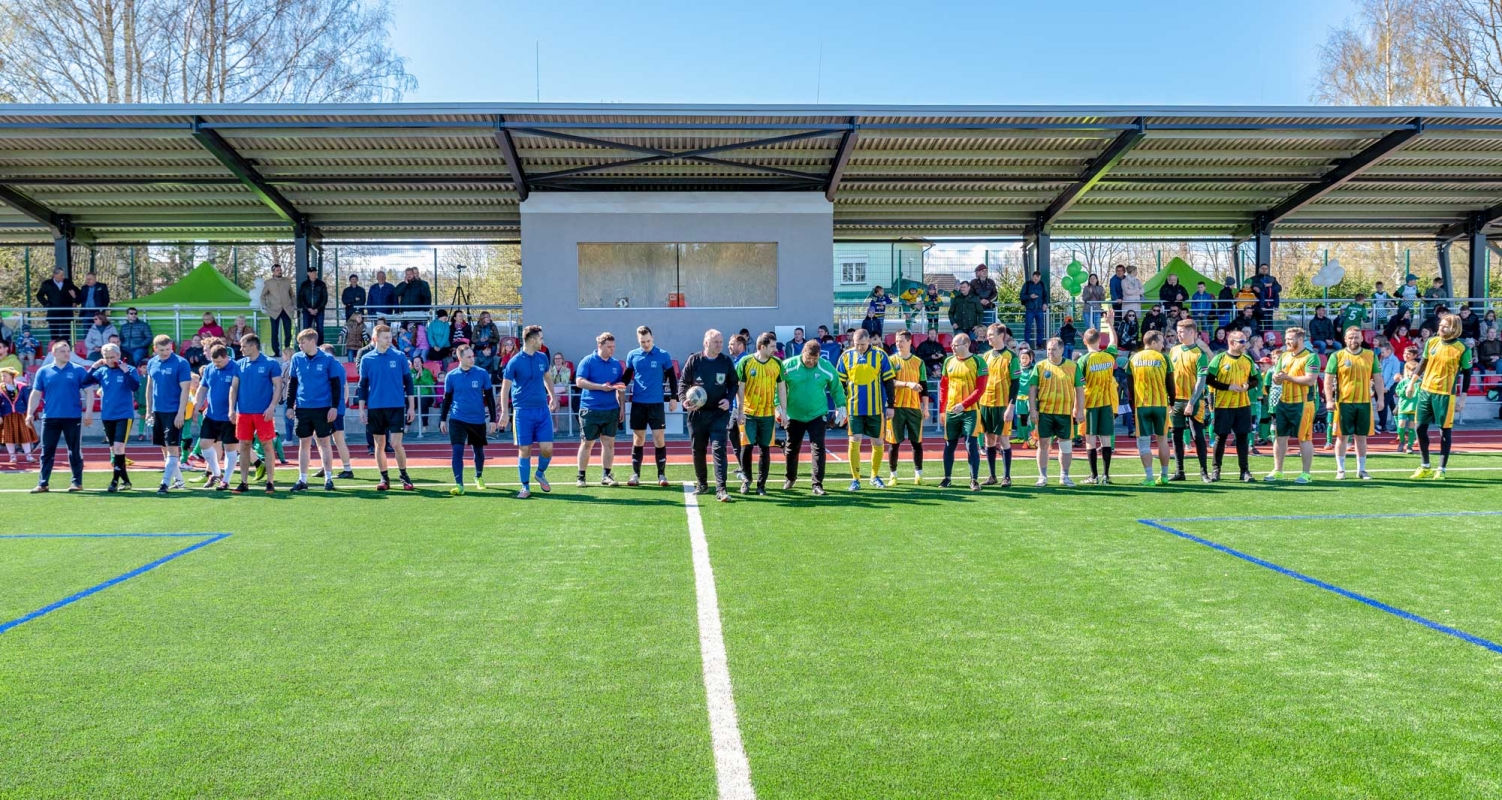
(647, 368)
(338, 445)
(315, 383)
(117, 382)
(254, 408)
(62, 384)
(168, 378)
(467, 415)
(524, 386)
(388, 401)
(216, 386)
(600, 379)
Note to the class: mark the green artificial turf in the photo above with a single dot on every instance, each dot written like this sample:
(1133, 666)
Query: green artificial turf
(900, 643)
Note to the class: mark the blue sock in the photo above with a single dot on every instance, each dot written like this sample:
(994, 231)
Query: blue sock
(525, 465)
(542, 465)
(479, 461)
(457, 461)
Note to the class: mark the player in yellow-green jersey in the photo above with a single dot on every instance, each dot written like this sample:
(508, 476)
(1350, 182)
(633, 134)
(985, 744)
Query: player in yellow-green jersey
(1445, 356)
(1057, 397)
(763, 396)
(1353, 387)
(1189, 358)
(998, 403)
(1296, 370)
(960, 388)
(1230, 376)
(909, 406)
(1098, 365)
(1153, 395)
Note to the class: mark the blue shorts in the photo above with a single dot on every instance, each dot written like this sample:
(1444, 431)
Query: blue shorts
(533, 425)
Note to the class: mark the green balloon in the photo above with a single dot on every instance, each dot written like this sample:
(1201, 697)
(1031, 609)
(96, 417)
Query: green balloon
(1075, 270)
(1071, 286)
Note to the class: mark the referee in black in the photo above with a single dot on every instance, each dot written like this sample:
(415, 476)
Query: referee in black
(715, 372)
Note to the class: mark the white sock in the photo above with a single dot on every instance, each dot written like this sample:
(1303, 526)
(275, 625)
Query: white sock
(1149, 470)
(211, 462)
(169, 469)
(231, 460)
(1361, 462)
(302, 475)
(1340, 461)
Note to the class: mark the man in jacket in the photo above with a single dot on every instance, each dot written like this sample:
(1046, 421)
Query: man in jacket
(965, 311)
(1115, 287)
(1322, 331)
(58, 296)
(353, 296)
(984, 288)
(381, 295)
(1034, 305)
(135, 338)
(1269, 294)
(93, 297)
(279, 301)
(312, 302)
(414, 294)
(1225, 307)
(99, 335)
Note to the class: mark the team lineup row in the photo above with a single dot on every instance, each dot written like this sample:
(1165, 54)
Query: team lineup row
(741, 399)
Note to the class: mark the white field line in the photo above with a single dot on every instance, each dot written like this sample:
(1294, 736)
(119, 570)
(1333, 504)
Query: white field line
(732, 770)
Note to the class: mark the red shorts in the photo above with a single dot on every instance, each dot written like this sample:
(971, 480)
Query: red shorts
(248, 426)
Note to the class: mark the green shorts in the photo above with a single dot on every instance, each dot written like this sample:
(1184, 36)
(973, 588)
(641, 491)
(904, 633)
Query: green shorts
(993, 420)
(1152, 421)
(961, 425)
(1295, 421)
(1436, 409)
(866, 425)
(1406, 416)
(1100, 421)
(759, 431)
(906, 423)
(1354, 419)
(1055, 426)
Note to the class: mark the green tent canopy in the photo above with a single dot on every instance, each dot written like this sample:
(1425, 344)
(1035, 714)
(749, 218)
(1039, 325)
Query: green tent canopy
(205, 288)
(1188, 277)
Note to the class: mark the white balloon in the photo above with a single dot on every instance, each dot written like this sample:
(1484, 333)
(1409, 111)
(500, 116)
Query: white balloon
(1330, 274)
(255, 294)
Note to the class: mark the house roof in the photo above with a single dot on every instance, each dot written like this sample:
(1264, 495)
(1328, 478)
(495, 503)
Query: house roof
(459, 171)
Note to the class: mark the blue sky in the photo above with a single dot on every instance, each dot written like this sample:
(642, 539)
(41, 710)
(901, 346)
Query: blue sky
(1056, 52)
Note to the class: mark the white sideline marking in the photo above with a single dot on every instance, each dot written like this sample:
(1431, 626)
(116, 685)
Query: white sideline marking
(732, 770)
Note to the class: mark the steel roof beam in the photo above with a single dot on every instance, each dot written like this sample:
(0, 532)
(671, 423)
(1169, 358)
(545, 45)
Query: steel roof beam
(247, 174)
(1092, 174)
(504, 141)
(1476, 220)
(841, 158)
(655, 154)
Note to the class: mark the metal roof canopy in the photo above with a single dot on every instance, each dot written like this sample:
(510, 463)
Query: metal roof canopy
(416, 172)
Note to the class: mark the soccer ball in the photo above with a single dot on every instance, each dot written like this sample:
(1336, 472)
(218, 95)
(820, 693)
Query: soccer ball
(696, 398)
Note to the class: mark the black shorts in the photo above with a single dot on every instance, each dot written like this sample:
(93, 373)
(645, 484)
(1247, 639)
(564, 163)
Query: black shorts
(313, 422)
(469, 433)
(215, 430)
(1233, 421)
(339, 423)
(116, 431)
(386, 421)
(165, 434)
(600, 423)
(648, 415)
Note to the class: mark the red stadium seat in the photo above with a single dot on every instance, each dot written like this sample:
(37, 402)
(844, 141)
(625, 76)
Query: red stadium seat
(945, 339)
(1369, 337)
(434, 367)
(351, 371)
(919, 338)
(890, 340)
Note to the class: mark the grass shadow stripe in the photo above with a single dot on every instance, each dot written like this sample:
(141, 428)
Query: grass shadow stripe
(1330, 587)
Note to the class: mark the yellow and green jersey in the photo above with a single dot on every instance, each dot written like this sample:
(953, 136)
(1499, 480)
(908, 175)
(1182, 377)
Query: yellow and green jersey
(961, 375)
(1442, 362)
(1001, 370)
(908, 370)
(1056, 384)
(1297, 365)
(1188, 364)
(1353, 375)
(1227, 370)
(863, 375)
(760, 379)
(1150, 379)
(1099, 369)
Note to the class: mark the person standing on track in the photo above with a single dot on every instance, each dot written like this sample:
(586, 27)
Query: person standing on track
(1098, 366)
(811, 382)
(1189, 359)
(467, 415)
(1353, 386)
(714, 372)
(254, 409)
(647, 368)
(1152, 395)
(62, 384)
(761, 398)
(524, 385)
(998, 402)
(217, 383)
(1297, 371)
(118, 383)
(1445, 358)
(388, 402)
(962, 382)
(168, 378)
(910, 400)
(315, 383)
(1057, 397)
(602, 403)
(1231, 374)
(868, 377)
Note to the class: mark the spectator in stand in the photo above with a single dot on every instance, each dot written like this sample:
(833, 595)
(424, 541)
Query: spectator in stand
(1431, 323)
(1218, 343)
(1489, 352)
(1155, 320)
(932, 304)
(871, 323)
(876, 308)
(279, 301)
(424, 383)
(985, 289)
(1172, 294)
(1381, 304)
(1408, 296)
(15, 431)
(932, 353)
(1353, 315)
(414, 294)
(7, 338)
(1247, 321)
(353, 296)
(1436, 294)
(1225, 305)
(313, 302)
(1392, 372)
(1093, 295)
(1269, 294)
(1131, 291)
(1402, 319)
(1034, 297)
(59, 296)
(440, 338)
(795, 344)
(829, 347)
(194, 353)
(210, 327)
(1067, 335)
(460, 330)
(382, 295)
(487, 344)
(508, 351)
(1128, 330)
(1488, 323)
(1202, 306)
(354, 336)
(26, 345)
(1322, 333)
(406, 340)
(1470, 326)
(561, 379)
(236, 332)
(981, 346)
(964, 310)
(98, 335)
(1115, 287)
(8, 358)
(93, 297)
(1400, 340)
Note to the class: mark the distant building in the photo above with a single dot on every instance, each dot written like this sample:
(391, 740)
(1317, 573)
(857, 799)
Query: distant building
(945, 281)
(858, 266)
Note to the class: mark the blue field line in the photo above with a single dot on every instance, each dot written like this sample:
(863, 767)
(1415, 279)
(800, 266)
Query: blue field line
(1295, 517)
(1330, 587)
(71, 599)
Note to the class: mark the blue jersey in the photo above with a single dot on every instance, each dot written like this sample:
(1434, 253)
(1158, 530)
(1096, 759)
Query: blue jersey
(319, 377)
(385, 379)
(117, 392)
(830, 351)
(218, 382)
(167, 376)
(600, 370)
(256, 375)
(62, 389)
(464, 392)
(529, 379)
(648, 370)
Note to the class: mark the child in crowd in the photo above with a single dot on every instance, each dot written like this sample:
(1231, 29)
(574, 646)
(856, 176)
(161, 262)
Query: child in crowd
(14, 432)
(354, 336)
(1408, 403)
(26, 346)
(1026, 375)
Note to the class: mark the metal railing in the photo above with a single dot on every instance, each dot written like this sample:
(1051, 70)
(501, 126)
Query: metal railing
(181, 322)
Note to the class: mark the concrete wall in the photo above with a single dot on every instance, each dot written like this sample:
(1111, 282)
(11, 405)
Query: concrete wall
(554, 223)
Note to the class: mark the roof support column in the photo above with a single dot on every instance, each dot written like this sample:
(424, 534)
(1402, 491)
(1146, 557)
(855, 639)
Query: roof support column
(1236, 261)
(62, 250)
(304, 242)
(1038, 246)
(1442, 251)
(1480, 280)
(1262, 234)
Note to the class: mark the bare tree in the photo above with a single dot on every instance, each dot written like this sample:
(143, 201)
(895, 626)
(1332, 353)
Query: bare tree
(1386, 57)
(198, 51)
(1466, 35)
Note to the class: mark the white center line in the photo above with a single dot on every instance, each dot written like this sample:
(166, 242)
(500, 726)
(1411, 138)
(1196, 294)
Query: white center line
(732, 770)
